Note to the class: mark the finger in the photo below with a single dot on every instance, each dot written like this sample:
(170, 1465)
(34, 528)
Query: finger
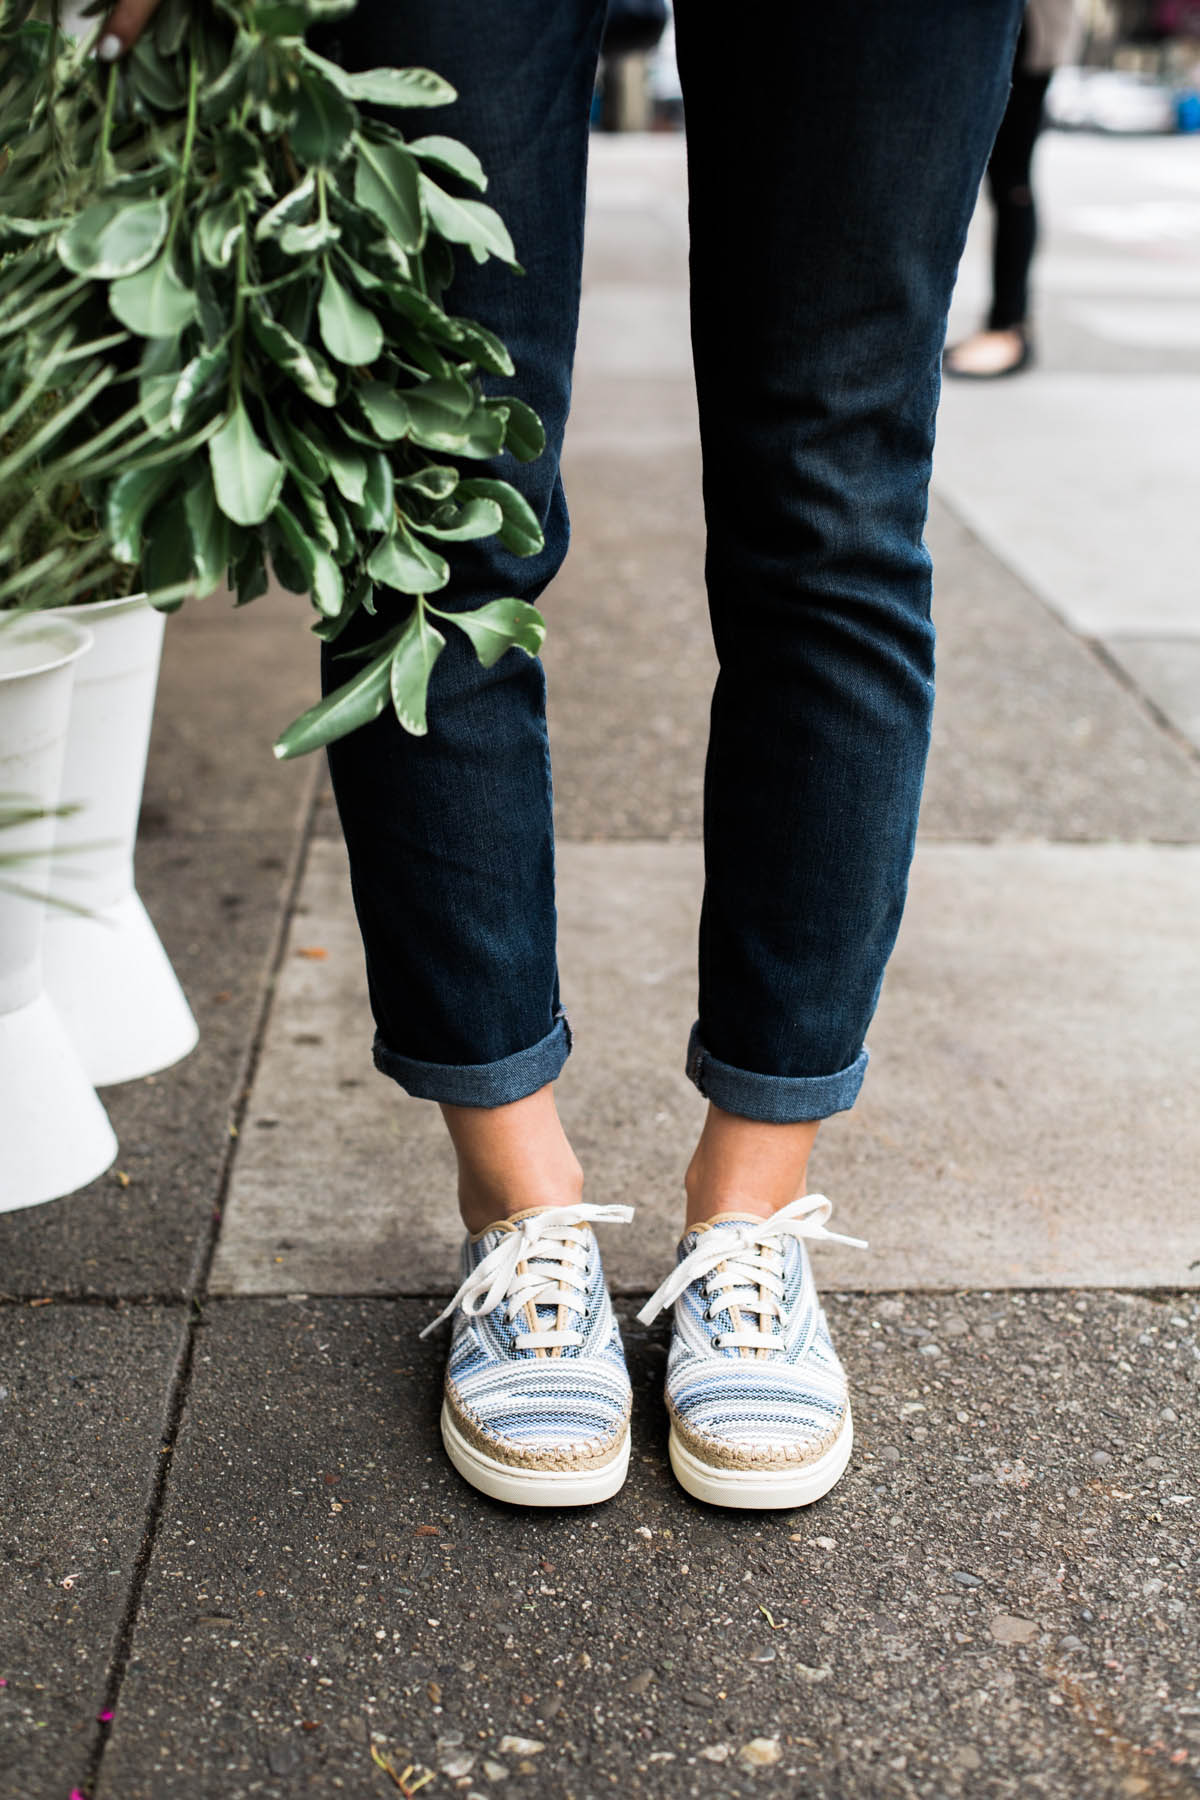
(123, 27)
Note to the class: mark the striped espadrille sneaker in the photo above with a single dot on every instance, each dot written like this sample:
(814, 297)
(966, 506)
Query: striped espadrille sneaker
(537, 1397)
(760, 1416)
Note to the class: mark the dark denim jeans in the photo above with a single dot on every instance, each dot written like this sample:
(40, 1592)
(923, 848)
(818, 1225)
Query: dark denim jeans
(834, 157)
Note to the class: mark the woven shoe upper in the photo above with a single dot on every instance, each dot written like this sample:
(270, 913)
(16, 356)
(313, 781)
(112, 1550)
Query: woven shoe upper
(538, 1378)
(753, 1379)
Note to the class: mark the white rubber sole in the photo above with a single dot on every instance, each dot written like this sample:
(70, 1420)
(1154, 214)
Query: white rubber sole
(761, 1489)
(534, 1487)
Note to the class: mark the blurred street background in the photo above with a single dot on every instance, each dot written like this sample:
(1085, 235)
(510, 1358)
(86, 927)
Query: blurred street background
(231, 1524)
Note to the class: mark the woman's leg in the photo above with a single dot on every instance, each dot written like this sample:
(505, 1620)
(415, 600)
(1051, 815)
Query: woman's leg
(1009, 179)
(1003, 344)
(450, 836)
(834, 154)
(832, 183)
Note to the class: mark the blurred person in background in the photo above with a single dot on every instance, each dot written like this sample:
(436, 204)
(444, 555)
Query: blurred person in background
(1004, 345)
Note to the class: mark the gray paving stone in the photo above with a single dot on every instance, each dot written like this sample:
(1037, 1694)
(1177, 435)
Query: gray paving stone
(1041, 469)
(216, 901)
(231, 680)
(998, 1600)
(82, 1393)
(1167, 670)
(1033, 736)
(220, 822)
(1036, 1083)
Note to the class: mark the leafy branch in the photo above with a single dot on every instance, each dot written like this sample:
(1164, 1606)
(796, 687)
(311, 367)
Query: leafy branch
(259, 270)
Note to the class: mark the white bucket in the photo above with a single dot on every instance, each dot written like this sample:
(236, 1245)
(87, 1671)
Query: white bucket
(54, 1134)
(108, 974)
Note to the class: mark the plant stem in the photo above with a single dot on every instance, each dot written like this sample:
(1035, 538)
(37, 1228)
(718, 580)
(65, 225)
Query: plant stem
(103, 154)
(189, 138)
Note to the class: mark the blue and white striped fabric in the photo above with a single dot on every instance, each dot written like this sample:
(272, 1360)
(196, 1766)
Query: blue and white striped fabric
(753, 1380)
(536, 1376)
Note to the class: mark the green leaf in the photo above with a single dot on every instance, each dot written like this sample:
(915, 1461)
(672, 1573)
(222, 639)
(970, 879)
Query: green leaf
(412, 664)
(483, 346)
(306, 240)
(239, 162)
(306, 367)
(154, 302)
(167, 558)
(287, 211)
(154, 76)
(324, 123)
(221, 93)
(399, 87)
(349, 331)
(387, 182)
(305, 454)
(468, 222)
(499, 626)
(377, 509)
(520, 532)
(523, 433)
(436, 481)
(158, 373)
(447, 153)
(453, 398)
(476, 519)
(247, 478)
(250, 572)
(348, 468)
(319, 518)
(386, 411)
(355, 703)
(113, 237)
(208, 529)
(321, 572)
(126, 505)
(217, 232)
(199, 379)
(347, 537)
(483, 434)
(404, 563)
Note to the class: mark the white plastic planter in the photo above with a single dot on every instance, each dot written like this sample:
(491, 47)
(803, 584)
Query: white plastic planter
(108, 974)
(54, 1133)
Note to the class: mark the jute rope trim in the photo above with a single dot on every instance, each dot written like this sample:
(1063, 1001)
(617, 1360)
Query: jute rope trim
(590, 1455)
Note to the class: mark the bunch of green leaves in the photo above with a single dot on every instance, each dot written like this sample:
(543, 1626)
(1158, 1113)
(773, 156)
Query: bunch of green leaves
(248, 273)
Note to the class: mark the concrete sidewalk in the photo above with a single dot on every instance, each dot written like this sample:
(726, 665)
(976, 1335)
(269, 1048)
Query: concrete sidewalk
(236, 1562)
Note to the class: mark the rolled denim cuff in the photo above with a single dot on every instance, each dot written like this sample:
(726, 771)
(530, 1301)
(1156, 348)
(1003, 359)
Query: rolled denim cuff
(772, 1099)
(481, 1084)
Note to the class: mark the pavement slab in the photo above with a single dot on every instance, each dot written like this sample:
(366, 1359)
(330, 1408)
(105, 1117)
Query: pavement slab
(82, 1391)
(1033, 735)
(1040, 469)
(217, 902)
(231, 680)
(999, 1599)
(220, 826)
(1012, 965)
(1167, 671)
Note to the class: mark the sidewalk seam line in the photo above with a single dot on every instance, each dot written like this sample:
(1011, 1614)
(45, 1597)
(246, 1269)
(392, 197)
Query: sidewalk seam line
(195, 1296)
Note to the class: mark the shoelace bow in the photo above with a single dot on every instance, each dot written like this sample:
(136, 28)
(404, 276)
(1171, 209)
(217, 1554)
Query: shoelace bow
(742, 1266)
(554, 1252)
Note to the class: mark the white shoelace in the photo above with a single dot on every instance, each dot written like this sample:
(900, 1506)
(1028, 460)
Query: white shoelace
(752, 1276)
(555, 1252)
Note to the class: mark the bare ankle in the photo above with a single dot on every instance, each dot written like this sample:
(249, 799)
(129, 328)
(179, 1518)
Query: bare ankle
(512, 1158)
(482, 1203)
(742, 1165)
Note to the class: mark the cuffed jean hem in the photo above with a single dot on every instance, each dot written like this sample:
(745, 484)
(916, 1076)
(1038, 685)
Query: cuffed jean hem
(481, 1084)
(772, 1099)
